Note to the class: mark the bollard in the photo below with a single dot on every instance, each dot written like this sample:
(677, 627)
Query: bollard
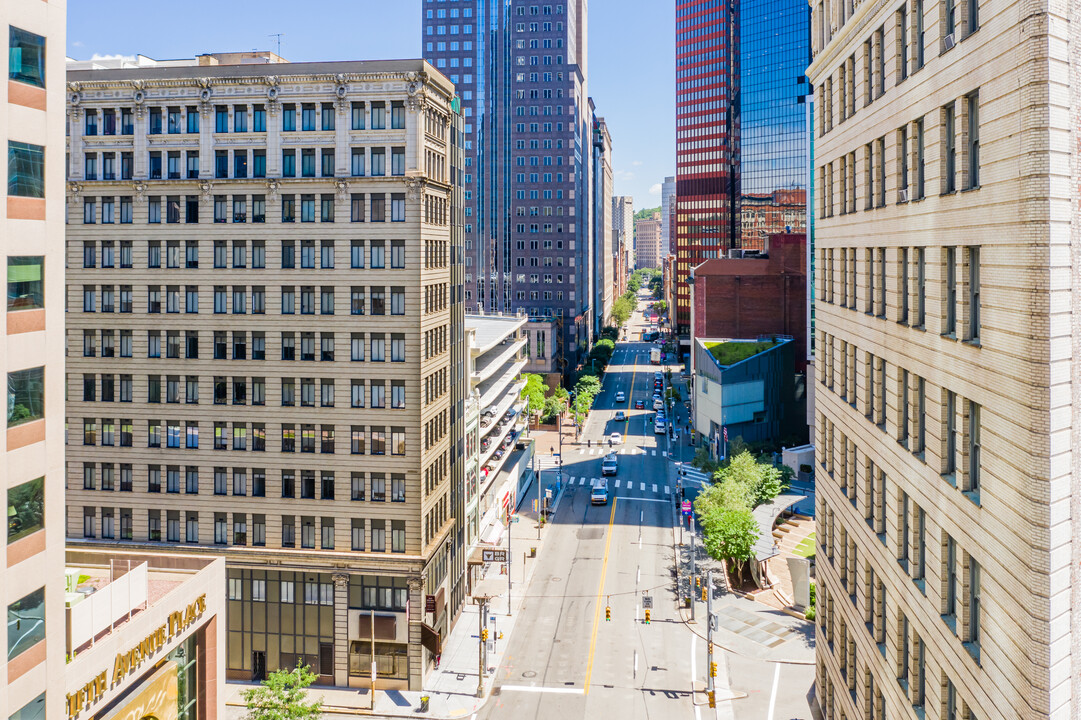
(424, 703)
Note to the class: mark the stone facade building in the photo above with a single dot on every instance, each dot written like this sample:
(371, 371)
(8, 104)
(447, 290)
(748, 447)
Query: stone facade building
(649, 242)
(239, 237)
(947, 236)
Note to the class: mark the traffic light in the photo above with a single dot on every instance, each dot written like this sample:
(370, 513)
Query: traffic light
(647, 616)
(607, 613)
(704, 593)
(712, 698)
(484, 635)
(713, 669)
(698, 581)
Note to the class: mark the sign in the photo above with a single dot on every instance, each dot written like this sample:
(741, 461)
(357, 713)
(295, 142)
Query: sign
(128, 662)
(647, 602)
(726, 433)
(375, 671)
(548, 493)
(686, 507)
(499, 556)
(429, 603)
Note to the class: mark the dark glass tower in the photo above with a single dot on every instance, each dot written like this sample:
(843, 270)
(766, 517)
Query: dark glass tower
(520, 70)
(741, 142)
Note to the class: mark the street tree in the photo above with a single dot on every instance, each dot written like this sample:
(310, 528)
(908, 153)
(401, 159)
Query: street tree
(730, 533)
(533, 393)
(588, 384)
(762, 479)
(284, 696)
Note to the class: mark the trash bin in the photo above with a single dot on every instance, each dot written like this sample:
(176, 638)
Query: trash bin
(424, 703)
(532, 552)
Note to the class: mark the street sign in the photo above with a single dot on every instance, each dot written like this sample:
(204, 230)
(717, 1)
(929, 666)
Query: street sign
(686, 508)
(375, 671)
(647, 602)
(548, 493)
(499, 556)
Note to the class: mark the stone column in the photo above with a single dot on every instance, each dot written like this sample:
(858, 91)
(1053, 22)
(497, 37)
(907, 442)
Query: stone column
(417, 652)
(341, 629)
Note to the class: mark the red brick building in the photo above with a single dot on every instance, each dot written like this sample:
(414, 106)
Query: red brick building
(747, 297)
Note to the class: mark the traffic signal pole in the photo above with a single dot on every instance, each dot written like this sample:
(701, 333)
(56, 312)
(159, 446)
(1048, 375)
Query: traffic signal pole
(709, 636)
(480, 650)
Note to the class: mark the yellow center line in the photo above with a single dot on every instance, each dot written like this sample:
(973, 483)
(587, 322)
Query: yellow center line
(600, 594)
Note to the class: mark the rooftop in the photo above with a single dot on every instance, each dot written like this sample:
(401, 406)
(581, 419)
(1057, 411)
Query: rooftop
(491, 330)
(730, 352)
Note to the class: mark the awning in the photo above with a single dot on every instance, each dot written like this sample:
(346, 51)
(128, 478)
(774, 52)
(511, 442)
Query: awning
(385, 627)
(766, 514)
(430, 638)
(493, 534)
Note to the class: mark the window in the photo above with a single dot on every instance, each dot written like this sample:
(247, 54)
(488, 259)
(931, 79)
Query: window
(397, 161)
(974, 451)
(972, 149)
(949, 451)
(975, 609)
(379, 162)
(378, 120)
(26, 170)
(357, 115)
(25, 509)
(25, 283)
(973, 17)
(26, 396)
(397, 536)
(953, 584)
(973, 334)
(397, 116)
(949, 322)
(921, 296)
(950, 151)
(397, 207)
(26, 57)
(356, 165)
(26, 623)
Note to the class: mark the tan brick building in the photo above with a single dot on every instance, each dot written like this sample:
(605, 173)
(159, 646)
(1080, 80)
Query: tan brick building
(266, 349)
(649, 243)
(32, 361)
(946, 233)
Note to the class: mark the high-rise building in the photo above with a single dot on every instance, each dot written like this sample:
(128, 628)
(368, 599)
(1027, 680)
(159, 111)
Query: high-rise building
(623, 239)
(32, 363)
(668, 209)
(604, 259)
(239, 236)
(520, 67)
(740, 138)
(946, 204)
(650, 251)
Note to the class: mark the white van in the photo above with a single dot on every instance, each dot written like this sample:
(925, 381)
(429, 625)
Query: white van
(610, 464)
(599, 494)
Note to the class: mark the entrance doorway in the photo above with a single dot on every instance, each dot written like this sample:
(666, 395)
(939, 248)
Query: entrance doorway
(258, 666)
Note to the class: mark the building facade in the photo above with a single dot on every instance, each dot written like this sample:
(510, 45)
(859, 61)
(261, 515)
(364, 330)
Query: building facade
(740, 128)
(947, 405)
(32, 362)
(604, 259)
(668, 209)
(649, 241)
(521, 70)
(295, 209)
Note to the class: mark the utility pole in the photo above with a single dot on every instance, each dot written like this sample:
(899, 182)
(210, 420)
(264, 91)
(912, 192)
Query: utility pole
(510, 517)
(480, 650)
(371, 615)
(710, 689)
(690, 580)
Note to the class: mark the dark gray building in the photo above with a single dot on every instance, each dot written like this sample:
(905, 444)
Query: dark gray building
(520, 70)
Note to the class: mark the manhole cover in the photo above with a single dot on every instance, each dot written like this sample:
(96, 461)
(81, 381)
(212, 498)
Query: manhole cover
(529, 674)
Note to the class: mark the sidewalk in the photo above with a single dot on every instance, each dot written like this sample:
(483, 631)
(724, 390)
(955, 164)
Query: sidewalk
(452, 688)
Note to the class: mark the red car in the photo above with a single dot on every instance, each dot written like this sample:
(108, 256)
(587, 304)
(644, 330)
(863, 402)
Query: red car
(639, 405)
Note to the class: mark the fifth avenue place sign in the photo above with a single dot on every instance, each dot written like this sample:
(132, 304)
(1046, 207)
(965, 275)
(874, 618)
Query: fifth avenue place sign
(499, 556)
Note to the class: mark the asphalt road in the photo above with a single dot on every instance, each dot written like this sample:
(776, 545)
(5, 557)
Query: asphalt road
(565, 659)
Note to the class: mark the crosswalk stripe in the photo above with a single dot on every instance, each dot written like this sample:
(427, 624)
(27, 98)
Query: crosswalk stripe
(667, 490)
(582, 451)
(617, 483)
(653, 452)
(664, 453)
(643, 486)
(654, 487)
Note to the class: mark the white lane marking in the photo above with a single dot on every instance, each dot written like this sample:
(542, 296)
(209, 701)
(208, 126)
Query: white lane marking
(694, 676)
(582, 451)
(581, 481)
(773, 693)
(617, 484)
(643, 486)
(667, 490)
(654, 487)
(591, 451)
(623, 451)
(641, 499)
(539, 689)
(653, 453)
(664, 453)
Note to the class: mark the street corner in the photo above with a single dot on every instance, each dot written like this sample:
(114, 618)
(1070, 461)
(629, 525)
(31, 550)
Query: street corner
(749, 628)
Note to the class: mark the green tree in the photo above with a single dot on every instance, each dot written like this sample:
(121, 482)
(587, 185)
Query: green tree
(587, 385)
(533, 394)
(553, 406)
(634, 284)
(730, 534)
(284, 696)
(621, 311)
(646, 213)
(583, 401)
(661, 307)
(763, 480)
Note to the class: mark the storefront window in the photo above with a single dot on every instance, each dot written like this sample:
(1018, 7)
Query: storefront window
(26, 509)
(187, 679)
(391, 659)
(26, 623)
(33, 710)
(26, 286)
(26, 396)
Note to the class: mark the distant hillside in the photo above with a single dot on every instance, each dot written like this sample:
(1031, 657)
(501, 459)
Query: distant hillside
(646, 213)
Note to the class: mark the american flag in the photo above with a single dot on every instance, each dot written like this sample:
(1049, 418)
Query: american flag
(726, 433)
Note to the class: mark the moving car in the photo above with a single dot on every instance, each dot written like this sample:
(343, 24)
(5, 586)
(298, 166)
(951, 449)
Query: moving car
(610, 464)
(599, 494)
(639, 404)
(655, 356)
(615, 438)
(659, 425)
(620, 416)
(621, 397)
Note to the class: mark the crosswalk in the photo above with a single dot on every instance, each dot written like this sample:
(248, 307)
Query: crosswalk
(629, 486)
(623, 451)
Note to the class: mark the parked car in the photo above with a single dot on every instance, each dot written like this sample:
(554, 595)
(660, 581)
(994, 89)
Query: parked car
(620, 416)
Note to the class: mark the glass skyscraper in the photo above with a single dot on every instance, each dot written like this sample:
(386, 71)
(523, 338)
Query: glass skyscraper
(741, 141)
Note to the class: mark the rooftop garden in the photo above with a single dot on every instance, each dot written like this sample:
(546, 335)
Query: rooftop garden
(734, 351)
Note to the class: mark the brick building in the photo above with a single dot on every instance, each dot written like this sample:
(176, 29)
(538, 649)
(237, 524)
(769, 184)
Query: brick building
(752, 296)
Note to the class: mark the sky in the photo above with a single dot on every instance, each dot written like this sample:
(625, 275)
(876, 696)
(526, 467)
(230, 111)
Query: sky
(631, 60)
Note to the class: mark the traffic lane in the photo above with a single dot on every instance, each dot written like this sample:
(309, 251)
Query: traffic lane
(786, 687)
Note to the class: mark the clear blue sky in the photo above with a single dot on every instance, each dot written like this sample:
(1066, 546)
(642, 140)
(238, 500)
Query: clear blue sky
(631, 55)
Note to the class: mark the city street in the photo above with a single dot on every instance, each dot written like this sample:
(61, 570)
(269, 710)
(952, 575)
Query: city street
(565, 659)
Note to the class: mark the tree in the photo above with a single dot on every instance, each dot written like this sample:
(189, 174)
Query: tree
(634, 284)
(553, 406)
(588, 385)
(533, 394)
(621, 311)
(661, 307)
(583, 401)
(730, 533)
(764, 482)
(283, 696)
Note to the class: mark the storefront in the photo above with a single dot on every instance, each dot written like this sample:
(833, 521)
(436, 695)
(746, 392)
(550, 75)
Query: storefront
(146, 636)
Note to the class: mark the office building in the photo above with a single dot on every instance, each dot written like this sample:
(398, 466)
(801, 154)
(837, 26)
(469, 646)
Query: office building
(668, 209)
(622, 240)
(32, 362)
(604, 260)
(740, 129)
(947, 410)
(649, 241)
(239, 235)
(521, 70)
